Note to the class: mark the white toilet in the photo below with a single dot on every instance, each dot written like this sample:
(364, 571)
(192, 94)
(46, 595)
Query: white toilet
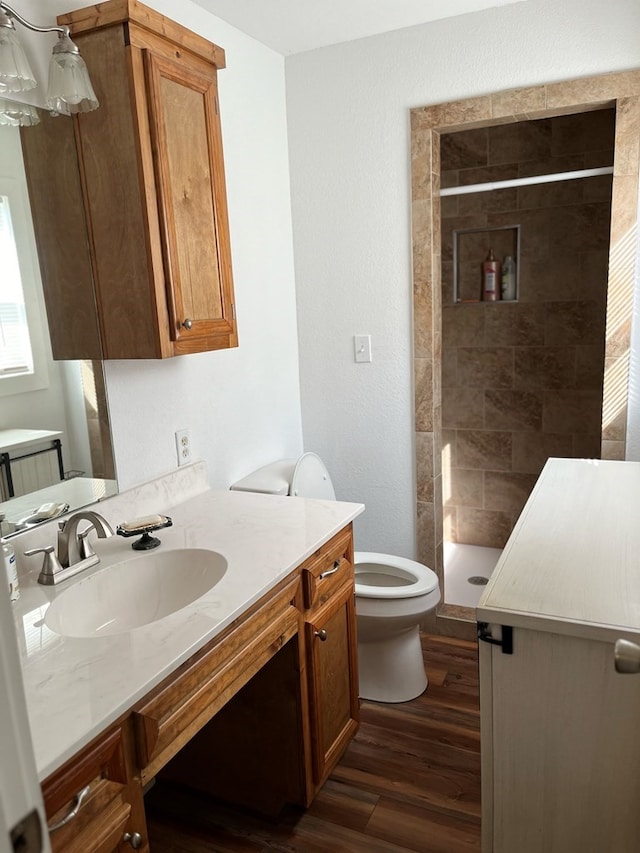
(393, 594)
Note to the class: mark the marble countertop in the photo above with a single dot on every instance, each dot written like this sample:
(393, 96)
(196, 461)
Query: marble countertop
(76, 687)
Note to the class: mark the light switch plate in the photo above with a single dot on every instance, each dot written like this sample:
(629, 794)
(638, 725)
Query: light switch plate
(362, 348)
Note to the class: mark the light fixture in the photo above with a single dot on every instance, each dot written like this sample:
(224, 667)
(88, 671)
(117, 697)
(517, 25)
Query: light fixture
(15, 114)
(69, 90)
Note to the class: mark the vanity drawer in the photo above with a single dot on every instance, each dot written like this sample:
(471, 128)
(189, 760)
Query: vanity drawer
(329, 568)
(177, 709)
(103, 814)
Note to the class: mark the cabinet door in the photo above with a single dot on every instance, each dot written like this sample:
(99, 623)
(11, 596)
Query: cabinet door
(560, 747)
(188, 161)
(333, 680)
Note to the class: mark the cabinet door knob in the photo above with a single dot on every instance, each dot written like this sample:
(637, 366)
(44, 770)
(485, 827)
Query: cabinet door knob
(77, 802)
(187, 323)
(321, 635)
(134, 839)
(626, 656)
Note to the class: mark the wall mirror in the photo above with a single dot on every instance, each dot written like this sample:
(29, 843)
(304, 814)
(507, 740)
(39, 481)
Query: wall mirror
(55, 438)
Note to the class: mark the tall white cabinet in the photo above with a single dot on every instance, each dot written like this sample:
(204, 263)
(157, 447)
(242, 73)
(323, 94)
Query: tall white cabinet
(560, 726)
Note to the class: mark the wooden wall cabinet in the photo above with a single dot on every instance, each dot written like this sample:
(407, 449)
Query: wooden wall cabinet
(259, 717)
(152, 185)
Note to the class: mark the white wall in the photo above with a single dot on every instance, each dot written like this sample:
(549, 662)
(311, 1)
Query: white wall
(242, 406)
(349, 158)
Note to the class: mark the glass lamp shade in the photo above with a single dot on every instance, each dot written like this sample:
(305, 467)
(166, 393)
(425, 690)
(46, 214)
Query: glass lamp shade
(15, 72)
(70, 90)
(15, 114)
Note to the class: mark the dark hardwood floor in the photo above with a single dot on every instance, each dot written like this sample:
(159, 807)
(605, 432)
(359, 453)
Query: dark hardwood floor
(408, 783)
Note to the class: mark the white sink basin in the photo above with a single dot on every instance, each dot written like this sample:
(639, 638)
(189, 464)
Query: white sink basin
(135, 592)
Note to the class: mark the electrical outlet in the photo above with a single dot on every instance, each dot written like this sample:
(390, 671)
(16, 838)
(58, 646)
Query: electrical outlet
(183, 446)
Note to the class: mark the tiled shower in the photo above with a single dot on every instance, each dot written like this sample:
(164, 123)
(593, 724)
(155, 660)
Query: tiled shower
(521, 380)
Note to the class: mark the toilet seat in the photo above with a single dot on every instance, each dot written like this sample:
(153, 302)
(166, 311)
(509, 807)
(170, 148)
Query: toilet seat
(311, 479)
(414, 578)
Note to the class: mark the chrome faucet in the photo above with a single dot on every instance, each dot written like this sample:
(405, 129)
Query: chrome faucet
(75, 553)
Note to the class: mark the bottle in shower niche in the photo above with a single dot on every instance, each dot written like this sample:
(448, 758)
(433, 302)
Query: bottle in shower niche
(508, 283)
(10, 569)
(490, 278)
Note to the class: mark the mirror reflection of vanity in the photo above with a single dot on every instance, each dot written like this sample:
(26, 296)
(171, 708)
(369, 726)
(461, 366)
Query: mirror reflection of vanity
(58, 401)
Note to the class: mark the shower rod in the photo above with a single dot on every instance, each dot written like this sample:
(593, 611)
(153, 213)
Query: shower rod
(525, 182)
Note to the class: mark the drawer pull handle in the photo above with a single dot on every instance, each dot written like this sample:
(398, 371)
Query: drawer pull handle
(332, 571)
(77, 802)
(321, 635)
(134, 839)
(187, 324)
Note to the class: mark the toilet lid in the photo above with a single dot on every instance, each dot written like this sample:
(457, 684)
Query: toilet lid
(311, 479)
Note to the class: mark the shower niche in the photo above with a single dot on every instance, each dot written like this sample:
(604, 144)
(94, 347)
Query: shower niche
(470, 248)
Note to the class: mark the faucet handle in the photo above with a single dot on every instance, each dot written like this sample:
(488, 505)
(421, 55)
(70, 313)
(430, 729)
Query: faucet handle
(50, 565)
(84, 546)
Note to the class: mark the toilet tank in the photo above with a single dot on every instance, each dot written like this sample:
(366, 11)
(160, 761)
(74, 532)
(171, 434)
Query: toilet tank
(272, 479)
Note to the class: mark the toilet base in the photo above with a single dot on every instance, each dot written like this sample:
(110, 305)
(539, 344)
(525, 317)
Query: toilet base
(392, 669)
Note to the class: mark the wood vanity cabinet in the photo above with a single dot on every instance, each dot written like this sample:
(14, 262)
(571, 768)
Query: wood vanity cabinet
(111, 812)
(331, 650)
(152, 185)
(259, 717)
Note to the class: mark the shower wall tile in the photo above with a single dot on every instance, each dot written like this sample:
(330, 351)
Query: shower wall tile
(424, 465)
(513, 143)
(573, 323)
(598, 188)
(579, 227)
(541, 281)
(424, 394)
(463, 326)
(590, 366)
(513, 410)
(465, 488)
(426, 533)
(483, 527)
(515, 324)
(517, 101)
(449, 367)
(463, 408)
(464, 150)
(587, 446)
(507, 492)
(544, 367)
(613, 450)
(484, 449)
(571, 411)
(614, 425)
(485, 367)
(421, 165)
(449, 449)
(551, 165)
(423, 312)
(550, 195)
(594, 269)
(532, 449)
(628, 133)
(482, 174)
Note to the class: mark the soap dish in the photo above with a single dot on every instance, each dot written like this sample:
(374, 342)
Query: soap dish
(145, 526)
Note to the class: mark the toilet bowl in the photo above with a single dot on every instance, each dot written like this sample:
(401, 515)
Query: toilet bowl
(393, 594)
